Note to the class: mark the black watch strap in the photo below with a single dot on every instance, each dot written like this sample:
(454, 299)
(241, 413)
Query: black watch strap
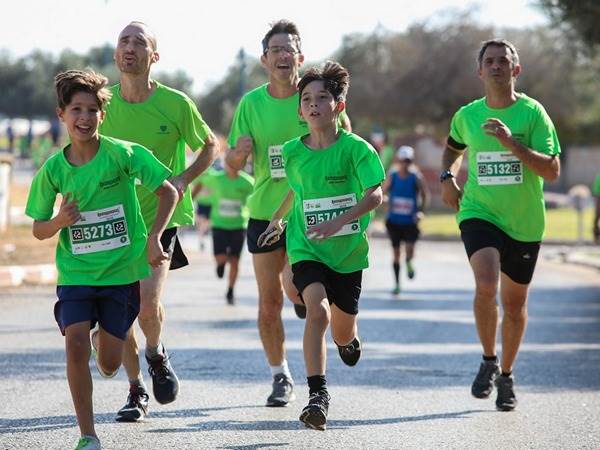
(445, 175)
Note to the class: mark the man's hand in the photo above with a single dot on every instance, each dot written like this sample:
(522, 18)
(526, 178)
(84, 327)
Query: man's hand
(68, 213)
(156, 255)
(451, 193)
(496, 128)
(244, 146)
(272, 234)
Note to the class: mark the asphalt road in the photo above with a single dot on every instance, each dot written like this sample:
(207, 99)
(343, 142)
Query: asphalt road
(410, 389)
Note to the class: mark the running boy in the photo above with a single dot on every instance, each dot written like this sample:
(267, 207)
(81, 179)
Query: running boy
(230, 189)
(407, 197)
(335, 179)
(101, 254)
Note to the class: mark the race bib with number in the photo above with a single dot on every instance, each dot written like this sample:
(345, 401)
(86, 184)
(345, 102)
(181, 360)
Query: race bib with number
(498, 168)
(276, 162)
(402, 205)
(320, 210)
(230, 208)
(100, 230)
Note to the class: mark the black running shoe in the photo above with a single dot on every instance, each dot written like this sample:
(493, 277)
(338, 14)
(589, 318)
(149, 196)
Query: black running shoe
(506, 400)
(165, 384)
(283, 391)
(221, 271)
(484, 381)
(350, 353)
(229, 296)
(300, 311)
(314, 415)
(136, 408)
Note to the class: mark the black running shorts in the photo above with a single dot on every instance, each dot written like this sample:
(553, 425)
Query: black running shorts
(407, 232)
(343, 289)
(171, 245)
(228, 242)
(517, 258)
(255, 228)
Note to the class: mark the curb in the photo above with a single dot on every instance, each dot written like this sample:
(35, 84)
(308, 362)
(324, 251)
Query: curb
(39, 274)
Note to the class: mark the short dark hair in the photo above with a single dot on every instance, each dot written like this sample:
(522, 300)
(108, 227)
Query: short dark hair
(335, 78)
(68, 83)
(497, 42)
(282, 26)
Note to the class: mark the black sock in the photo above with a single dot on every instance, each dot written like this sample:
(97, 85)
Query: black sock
(506, 374)
(490, 358)
(221, 271)
(397, 272)
(316, 383)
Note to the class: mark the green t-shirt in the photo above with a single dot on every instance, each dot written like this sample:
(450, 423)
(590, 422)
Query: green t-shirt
(326, 183)
(270, 122)
(229, 210)
(164, 123)
(596, 187)
(500, 188)
(107, 246)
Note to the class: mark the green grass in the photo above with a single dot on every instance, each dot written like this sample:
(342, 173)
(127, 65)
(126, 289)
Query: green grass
(561, 224)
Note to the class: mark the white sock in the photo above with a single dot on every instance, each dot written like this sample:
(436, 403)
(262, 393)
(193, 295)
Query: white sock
(151, 352)
(283, 368)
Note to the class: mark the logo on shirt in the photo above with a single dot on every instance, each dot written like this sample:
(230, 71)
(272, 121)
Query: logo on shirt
(334, 179)
(163, 129)
(110, 183)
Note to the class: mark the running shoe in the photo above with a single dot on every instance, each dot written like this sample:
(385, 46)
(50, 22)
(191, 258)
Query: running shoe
(136, 408)
(314, 415)
(93, 339)
(283, 391)
(396, 290)
(410, 270)
(484, 381)
(220, 271)
(165, 384)
(350, 353)
(229, 296)
(300, 311)
(88, 443)
(506, 400)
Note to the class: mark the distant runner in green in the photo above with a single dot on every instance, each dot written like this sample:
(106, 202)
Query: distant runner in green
(265, 119)
(596, 224)
(164, 120)
(335, 181)
(513, 148)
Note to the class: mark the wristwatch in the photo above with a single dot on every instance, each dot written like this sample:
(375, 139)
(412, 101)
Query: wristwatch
(445, 175)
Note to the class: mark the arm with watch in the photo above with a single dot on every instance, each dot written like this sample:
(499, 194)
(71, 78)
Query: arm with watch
(451, 192)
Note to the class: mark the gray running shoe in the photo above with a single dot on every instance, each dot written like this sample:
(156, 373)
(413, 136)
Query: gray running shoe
(506, 400)
(314, 415)
(283, 391)
(136, 408)
(483, 385)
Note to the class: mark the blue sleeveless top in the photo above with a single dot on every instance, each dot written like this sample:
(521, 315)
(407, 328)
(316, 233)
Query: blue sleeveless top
(403, 199)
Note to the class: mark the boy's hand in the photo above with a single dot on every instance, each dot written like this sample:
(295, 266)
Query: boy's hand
(156, 255)
(179, 183)
(271, 234)
(243, 145)
(68, 213)
(324, 230)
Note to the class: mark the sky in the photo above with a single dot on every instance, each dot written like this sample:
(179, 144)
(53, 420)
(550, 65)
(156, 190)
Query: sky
(203, 38)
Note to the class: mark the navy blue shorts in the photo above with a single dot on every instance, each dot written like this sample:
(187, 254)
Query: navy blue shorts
(115, 308)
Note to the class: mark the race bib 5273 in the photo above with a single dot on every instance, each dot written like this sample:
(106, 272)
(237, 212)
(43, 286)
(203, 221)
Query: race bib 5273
(100, 230)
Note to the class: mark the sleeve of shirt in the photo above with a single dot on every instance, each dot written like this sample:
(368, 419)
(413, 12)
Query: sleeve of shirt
(193, 128)
(369, 169)
(543, 135)
(144, 166)
(42, 195)
(455, 138)
(239, 124)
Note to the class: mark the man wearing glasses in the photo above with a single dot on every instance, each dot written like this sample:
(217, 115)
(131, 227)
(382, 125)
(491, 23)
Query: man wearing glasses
(265, 119)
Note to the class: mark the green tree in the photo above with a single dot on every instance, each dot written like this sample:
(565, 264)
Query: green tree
(581, 16)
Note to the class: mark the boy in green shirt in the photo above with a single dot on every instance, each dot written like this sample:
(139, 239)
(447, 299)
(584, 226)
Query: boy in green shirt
(103, 246)
(335, 179)
(230, 189)
(513, 148)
